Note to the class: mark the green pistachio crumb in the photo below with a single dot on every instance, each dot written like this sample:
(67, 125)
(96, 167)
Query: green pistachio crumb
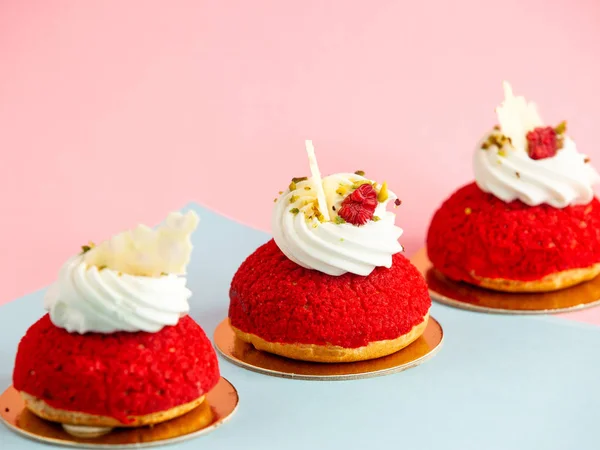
(292, 186)
(299, 179)
(501, 152)
(376, 218)
(383, 194)
(294, 211)
(293, 198)
(341, 239)
(342, 190)
(87, 248)
(359, 183)
(101, 268)
(561, 127)
(360, 173)
(307, 188)
(339, 220)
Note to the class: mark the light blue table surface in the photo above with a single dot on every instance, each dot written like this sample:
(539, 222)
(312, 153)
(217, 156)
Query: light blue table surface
(499, 382)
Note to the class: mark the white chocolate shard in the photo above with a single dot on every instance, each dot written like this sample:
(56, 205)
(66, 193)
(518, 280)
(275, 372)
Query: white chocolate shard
(517, 117)
(149, 252)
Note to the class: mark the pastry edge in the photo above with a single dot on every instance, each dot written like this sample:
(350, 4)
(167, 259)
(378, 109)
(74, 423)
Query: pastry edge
(331, 353)
(549, 283)
(41, 409)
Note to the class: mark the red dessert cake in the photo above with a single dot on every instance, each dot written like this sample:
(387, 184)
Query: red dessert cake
(117, 348)
(332, 286)
(530, 221)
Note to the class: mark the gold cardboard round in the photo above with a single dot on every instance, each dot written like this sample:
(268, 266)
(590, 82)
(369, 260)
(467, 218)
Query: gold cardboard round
(473, 298)
(219, 406)
(245, 355)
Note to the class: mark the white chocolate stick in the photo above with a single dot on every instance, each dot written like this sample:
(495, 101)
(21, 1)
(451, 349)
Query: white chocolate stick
(316, 176)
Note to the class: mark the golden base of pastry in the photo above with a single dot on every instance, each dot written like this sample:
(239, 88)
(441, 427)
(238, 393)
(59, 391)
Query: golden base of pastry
(41, 409)
(549, 283)
(334, 353)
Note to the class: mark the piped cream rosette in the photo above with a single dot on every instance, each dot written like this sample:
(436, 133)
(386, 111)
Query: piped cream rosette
(309, 230)
(504, 166)
(132, 282)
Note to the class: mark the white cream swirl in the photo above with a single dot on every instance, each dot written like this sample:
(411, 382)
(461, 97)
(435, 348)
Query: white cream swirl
(330, 247)
(85, 299)
(510, 174)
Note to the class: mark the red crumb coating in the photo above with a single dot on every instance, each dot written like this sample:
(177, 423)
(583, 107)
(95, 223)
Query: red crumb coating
(274, 298)
(118, 374)
(477, 233)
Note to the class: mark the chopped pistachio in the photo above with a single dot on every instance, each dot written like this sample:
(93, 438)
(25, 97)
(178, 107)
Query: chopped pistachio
(87, 248)
(501, 152)
(383, 195)
(561, 127)
(468, 211)
(292, 186)
(339, 220)
(294, 211)
(360, 173)
(341, 239)
(376, 218)
(485, 145)
(518, 174)
(163, 274)
(101, 268)
(307, 188)
(359, 183)
(497, 127)
(274, 200)
(342, 190)
(280, 192)
(293, 198)
(299, 179)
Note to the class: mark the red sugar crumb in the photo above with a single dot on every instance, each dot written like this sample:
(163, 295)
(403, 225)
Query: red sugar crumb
(118, 374)
(280, 301)
(511, 240)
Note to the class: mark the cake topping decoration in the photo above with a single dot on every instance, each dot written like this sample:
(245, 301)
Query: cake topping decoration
(542, 143)
(359, 207)
(147, 252)
(337, 224)
(318, 183)
(127, 283)
(523, 159)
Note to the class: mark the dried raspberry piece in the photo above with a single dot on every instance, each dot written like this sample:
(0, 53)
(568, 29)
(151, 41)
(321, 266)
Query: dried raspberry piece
(358, 208)
(542, 143)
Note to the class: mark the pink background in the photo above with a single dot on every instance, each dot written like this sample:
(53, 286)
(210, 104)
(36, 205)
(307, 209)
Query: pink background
(115, 112)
